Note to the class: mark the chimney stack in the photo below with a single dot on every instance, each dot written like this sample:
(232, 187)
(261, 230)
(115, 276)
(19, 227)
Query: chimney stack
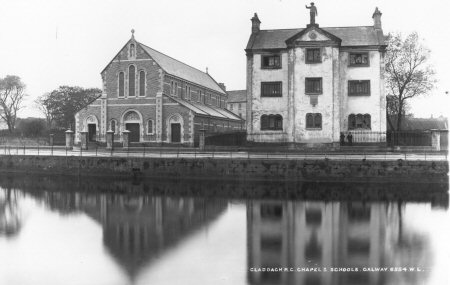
(377, 19)
(255, 23)
(222, 85)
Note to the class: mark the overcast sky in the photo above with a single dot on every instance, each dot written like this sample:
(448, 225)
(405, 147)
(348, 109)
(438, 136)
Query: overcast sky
(55, 42)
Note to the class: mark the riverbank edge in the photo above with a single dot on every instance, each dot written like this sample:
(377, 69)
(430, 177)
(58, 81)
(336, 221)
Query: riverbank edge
(233, 169)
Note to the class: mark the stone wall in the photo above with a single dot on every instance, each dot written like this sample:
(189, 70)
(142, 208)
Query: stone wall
(294, 170)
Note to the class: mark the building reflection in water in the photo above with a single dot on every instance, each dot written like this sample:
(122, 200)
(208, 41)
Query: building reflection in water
(138, 229)
(307, 234)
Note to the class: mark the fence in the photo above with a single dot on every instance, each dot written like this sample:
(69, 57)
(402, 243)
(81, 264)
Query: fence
(409, 138)
(232, 153)
(362, 137)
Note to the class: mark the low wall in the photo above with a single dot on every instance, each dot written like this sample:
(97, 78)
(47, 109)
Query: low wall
(235, 169)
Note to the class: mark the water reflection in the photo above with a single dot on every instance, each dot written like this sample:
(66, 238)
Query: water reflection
(318, 225)
(299, 234)
(10, 218)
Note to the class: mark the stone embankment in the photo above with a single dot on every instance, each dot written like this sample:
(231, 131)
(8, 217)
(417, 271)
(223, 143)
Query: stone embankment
(233, 169)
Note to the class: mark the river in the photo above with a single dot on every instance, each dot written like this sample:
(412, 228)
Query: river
(68, 230)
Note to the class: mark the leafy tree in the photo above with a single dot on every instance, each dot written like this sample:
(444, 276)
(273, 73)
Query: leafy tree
(11, 99)
(408, 73)
(61, 105)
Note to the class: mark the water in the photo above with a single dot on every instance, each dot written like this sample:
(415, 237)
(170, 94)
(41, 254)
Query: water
(95, 231)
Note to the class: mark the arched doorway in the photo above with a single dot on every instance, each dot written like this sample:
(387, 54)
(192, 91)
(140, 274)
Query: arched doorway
(175, 129)
(132, 123)
(91, 125)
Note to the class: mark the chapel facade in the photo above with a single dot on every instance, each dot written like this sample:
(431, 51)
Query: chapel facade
(158, 99)
(314, 84)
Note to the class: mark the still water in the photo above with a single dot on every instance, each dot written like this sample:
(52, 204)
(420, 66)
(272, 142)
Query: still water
(70, 231)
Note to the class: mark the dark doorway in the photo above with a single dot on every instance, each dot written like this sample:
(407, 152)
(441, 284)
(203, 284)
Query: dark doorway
(92, 131)
(134, 132)
(176, 133)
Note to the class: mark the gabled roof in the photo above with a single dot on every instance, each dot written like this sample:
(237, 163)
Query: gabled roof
(350, 36)
(237, 96)
(420, 124)
(181, 70)
(206, 110)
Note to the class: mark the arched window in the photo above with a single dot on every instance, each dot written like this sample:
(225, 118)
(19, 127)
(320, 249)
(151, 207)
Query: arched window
(142, 83)
(359, 121)
(121, 84)
(131, 81)
(113, 126)
(132, 50)
(149, 127)
(271, 122)
(314, 121)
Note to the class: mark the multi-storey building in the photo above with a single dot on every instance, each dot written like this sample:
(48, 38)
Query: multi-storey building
(157, 98)
(237, 102)
(309, 85)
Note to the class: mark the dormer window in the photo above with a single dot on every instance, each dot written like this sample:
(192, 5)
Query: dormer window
(132, 50)
(359, 59)
(270, 61)
(313, 55)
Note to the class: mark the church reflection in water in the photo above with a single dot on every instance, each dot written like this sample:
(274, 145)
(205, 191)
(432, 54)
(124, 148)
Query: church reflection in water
(138, 229)
(302, 234)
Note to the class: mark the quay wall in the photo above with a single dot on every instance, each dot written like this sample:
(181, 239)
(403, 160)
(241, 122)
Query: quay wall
(233, 169)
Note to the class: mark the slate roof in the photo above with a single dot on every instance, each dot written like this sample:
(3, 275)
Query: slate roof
(350, 36)
(182, 70)
(237, 96)
(207, 110)
(420, 124)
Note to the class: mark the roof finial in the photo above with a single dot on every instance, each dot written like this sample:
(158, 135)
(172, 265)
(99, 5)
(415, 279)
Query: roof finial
(132, 33)
(206, 70)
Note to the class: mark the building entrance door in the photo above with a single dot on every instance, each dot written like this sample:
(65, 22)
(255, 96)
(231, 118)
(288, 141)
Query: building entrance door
(134, 129)
(92, 131)
(175, 133)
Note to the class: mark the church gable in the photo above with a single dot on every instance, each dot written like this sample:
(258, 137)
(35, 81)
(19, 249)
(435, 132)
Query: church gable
(132, 51)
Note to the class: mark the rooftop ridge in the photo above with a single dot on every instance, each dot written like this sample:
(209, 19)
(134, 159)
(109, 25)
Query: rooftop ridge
(292, 29)
(172, 58)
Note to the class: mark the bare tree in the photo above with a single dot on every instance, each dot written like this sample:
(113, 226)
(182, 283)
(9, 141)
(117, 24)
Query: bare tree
(11, 99)
(42, 103)
(408, 73)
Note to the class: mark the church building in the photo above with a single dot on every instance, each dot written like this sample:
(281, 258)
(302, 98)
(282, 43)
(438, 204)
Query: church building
(157, 99)
(312, 85)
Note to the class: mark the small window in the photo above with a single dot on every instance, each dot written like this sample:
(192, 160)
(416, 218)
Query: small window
(358, 87)
(240, 106)
(176, 89)
(185, 93)
(199, 99)
(271, 89)
(314, 121)
(359, 121)
(142, 83)
(121, 84)
(313, 85)
(359, 59)
(131, 81)
(313, 55)
(270, 61)
(271, 122)
(188, 95)
(172, 88)
(149, 127)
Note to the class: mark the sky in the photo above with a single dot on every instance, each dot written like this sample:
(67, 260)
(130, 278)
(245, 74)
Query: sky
(65, 42)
